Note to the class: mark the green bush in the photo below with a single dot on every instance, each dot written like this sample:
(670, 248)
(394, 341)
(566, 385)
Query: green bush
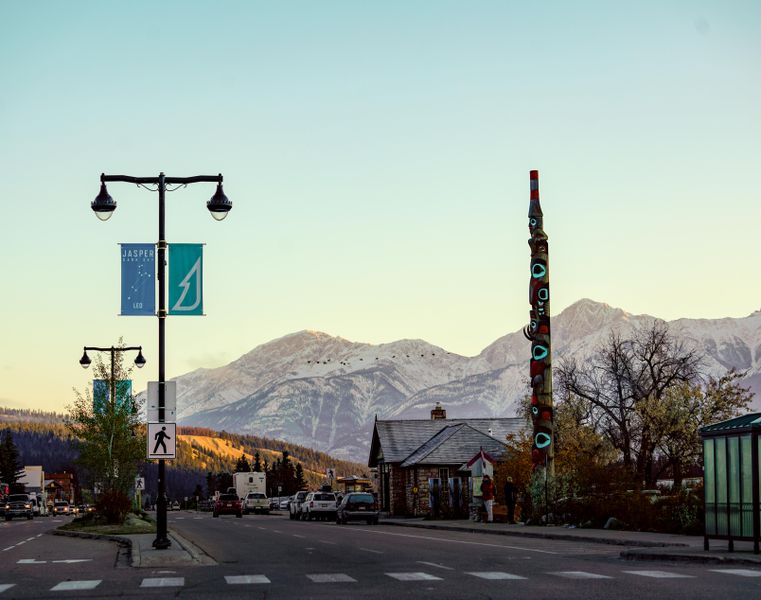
(113, 506)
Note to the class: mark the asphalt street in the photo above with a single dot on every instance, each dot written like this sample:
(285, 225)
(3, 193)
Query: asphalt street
(270, 556)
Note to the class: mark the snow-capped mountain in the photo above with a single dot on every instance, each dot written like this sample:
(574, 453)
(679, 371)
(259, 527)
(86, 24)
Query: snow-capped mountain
(321, 391)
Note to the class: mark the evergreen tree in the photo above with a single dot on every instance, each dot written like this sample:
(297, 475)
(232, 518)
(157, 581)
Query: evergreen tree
(242, 465)
(300, 481)
(257, 463)
(10, 466)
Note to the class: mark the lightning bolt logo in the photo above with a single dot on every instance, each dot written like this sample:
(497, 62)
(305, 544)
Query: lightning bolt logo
(185, 284)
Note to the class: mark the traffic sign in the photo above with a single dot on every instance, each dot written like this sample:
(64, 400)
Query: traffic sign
(139, 483)
(170, 401)
(161, 440)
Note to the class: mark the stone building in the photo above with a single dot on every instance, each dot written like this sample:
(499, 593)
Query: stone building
(421, 463)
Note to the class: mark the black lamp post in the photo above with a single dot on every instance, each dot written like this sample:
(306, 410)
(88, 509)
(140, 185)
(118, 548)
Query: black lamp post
(139, 363)
(103, 206)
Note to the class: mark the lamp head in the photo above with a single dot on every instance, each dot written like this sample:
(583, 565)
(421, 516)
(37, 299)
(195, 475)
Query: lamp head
(140, 360)
(219, 205)
(103, 205)
(85, 360)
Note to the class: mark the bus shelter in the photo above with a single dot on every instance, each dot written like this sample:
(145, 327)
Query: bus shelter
(731, 459)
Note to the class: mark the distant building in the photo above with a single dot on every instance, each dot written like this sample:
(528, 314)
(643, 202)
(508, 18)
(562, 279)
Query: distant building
(33, 479)
(63, 485)
(422, 464)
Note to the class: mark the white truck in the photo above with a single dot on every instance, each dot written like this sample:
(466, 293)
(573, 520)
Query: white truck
(252, 490)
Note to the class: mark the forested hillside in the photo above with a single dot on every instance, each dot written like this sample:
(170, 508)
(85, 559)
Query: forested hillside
(43, 439)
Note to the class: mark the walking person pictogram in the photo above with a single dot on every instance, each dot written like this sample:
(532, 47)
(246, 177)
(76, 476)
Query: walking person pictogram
(160, 437)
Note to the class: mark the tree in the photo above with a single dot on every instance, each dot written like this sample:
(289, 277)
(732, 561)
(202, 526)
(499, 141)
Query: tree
(686, 408)
(300, 481)
(11, 468)
(622, 380)
(640, 394)
(242, 465)
(257, 468)
(111, 436)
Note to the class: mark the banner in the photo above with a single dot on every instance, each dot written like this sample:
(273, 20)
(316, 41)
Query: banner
(101, 394)
(138, 279)
(186, 279)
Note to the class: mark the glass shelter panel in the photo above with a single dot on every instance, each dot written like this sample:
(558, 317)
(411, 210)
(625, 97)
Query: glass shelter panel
(709, 474)
(721, 487)
(735, 524)
(746, 485)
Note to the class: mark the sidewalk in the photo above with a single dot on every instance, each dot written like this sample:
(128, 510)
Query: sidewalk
(642, 545)
(181, 553)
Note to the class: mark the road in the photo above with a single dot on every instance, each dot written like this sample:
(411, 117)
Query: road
(269, 556)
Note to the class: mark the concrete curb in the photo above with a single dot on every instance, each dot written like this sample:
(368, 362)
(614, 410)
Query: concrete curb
(198, 555)
(695, 558)
(549, 535)
(123, 542)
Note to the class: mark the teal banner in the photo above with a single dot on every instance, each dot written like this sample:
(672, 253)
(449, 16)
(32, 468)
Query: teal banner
(186, 279)
(101, 394)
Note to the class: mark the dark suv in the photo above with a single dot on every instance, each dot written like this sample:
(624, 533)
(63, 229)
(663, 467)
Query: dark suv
(18, 505)
(228, 504)
(357, 506)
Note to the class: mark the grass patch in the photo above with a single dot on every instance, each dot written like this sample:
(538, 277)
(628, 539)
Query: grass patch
(133, 524)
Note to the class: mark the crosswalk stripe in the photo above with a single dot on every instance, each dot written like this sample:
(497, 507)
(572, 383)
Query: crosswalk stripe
(331, 578)
(418, 576)
(579, 575)
(69, 586)
(5, 586)
(740, 572)
(494, 575)
(660, 574)
(163, 582)
(246, 579)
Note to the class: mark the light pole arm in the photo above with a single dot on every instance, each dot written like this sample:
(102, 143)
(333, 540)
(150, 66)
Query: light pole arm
(155, 180)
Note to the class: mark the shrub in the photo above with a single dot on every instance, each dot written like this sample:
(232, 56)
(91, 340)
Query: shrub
(113, 506)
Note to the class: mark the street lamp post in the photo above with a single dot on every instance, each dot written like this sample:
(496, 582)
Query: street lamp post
(104, 206)
(139, 363)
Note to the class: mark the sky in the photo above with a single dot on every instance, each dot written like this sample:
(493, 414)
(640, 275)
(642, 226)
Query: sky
(377, 155)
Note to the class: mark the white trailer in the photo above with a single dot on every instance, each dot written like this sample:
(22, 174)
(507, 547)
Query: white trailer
(249, 482)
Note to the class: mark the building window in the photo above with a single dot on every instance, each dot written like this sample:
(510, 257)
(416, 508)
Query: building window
(444, 476)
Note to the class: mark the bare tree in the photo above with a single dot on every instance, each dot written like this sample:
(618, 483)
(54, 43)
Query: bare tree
(621, 384)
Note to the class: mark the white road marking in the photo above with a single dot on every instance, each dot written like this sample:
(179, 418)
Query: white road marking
(8, 548)
(163, 582)
(24, 542)
(740, 572)
(451, 541)
(68, 586)
(371, 550)
(579, 575)
(246, 579)
(30, 539)
(494, 575)
(660, 574)
(298, 536)
(72, 560)
(197, 518)
(277, 531)
(331, 578)
(39, 535)
(5, 586)
(327, 542)
(262, 528)
(30, 561)
(438, 566)
(414, 577)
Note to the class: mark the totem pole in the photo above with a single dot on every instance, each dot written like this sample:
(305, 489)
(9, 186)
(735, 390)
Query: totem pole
(538, 333)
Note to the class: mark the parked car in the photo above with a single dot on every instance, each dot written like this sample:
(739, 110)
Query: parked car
(319, 506)
(294, 506)
(256, 502)
(18, 505)
(228, 504)
(358, 506)
(285, 502)
(61, 507)
(175, 505)
(274, 503)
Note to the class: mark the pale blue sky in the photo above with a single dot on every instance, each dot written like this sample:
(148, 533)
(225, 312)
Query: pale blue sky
(377, 155)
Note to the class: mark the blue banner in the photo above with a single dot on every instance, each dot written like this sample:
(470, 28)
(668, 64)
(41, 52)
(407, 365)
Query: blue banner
(138, 279)
(186, 279)
(101, 395)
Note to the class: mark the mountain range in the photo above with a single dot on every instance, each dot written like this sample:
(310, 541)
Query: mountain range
(324, 392)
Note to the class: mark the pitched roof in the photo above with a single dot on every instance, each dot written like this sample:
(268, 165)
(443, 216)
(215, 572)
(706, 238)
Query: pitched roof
(395, 440)
(453, 445)
(744, 422)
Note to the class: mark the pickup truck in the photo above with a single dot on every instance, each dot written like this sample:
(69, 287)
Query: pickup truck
(255, 502)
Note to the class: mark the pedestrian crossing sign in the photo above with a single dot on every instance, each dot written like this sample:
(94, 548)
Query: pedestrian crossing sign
(161, 440)
(139, 483)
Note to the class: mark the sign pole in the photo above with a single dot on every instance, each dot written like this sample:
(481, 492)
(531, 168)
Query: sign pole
(162, 540)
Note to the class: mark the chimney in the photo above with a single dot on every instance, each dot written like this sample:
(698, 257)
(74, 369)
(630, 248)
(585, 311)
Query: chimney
(438, 412)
